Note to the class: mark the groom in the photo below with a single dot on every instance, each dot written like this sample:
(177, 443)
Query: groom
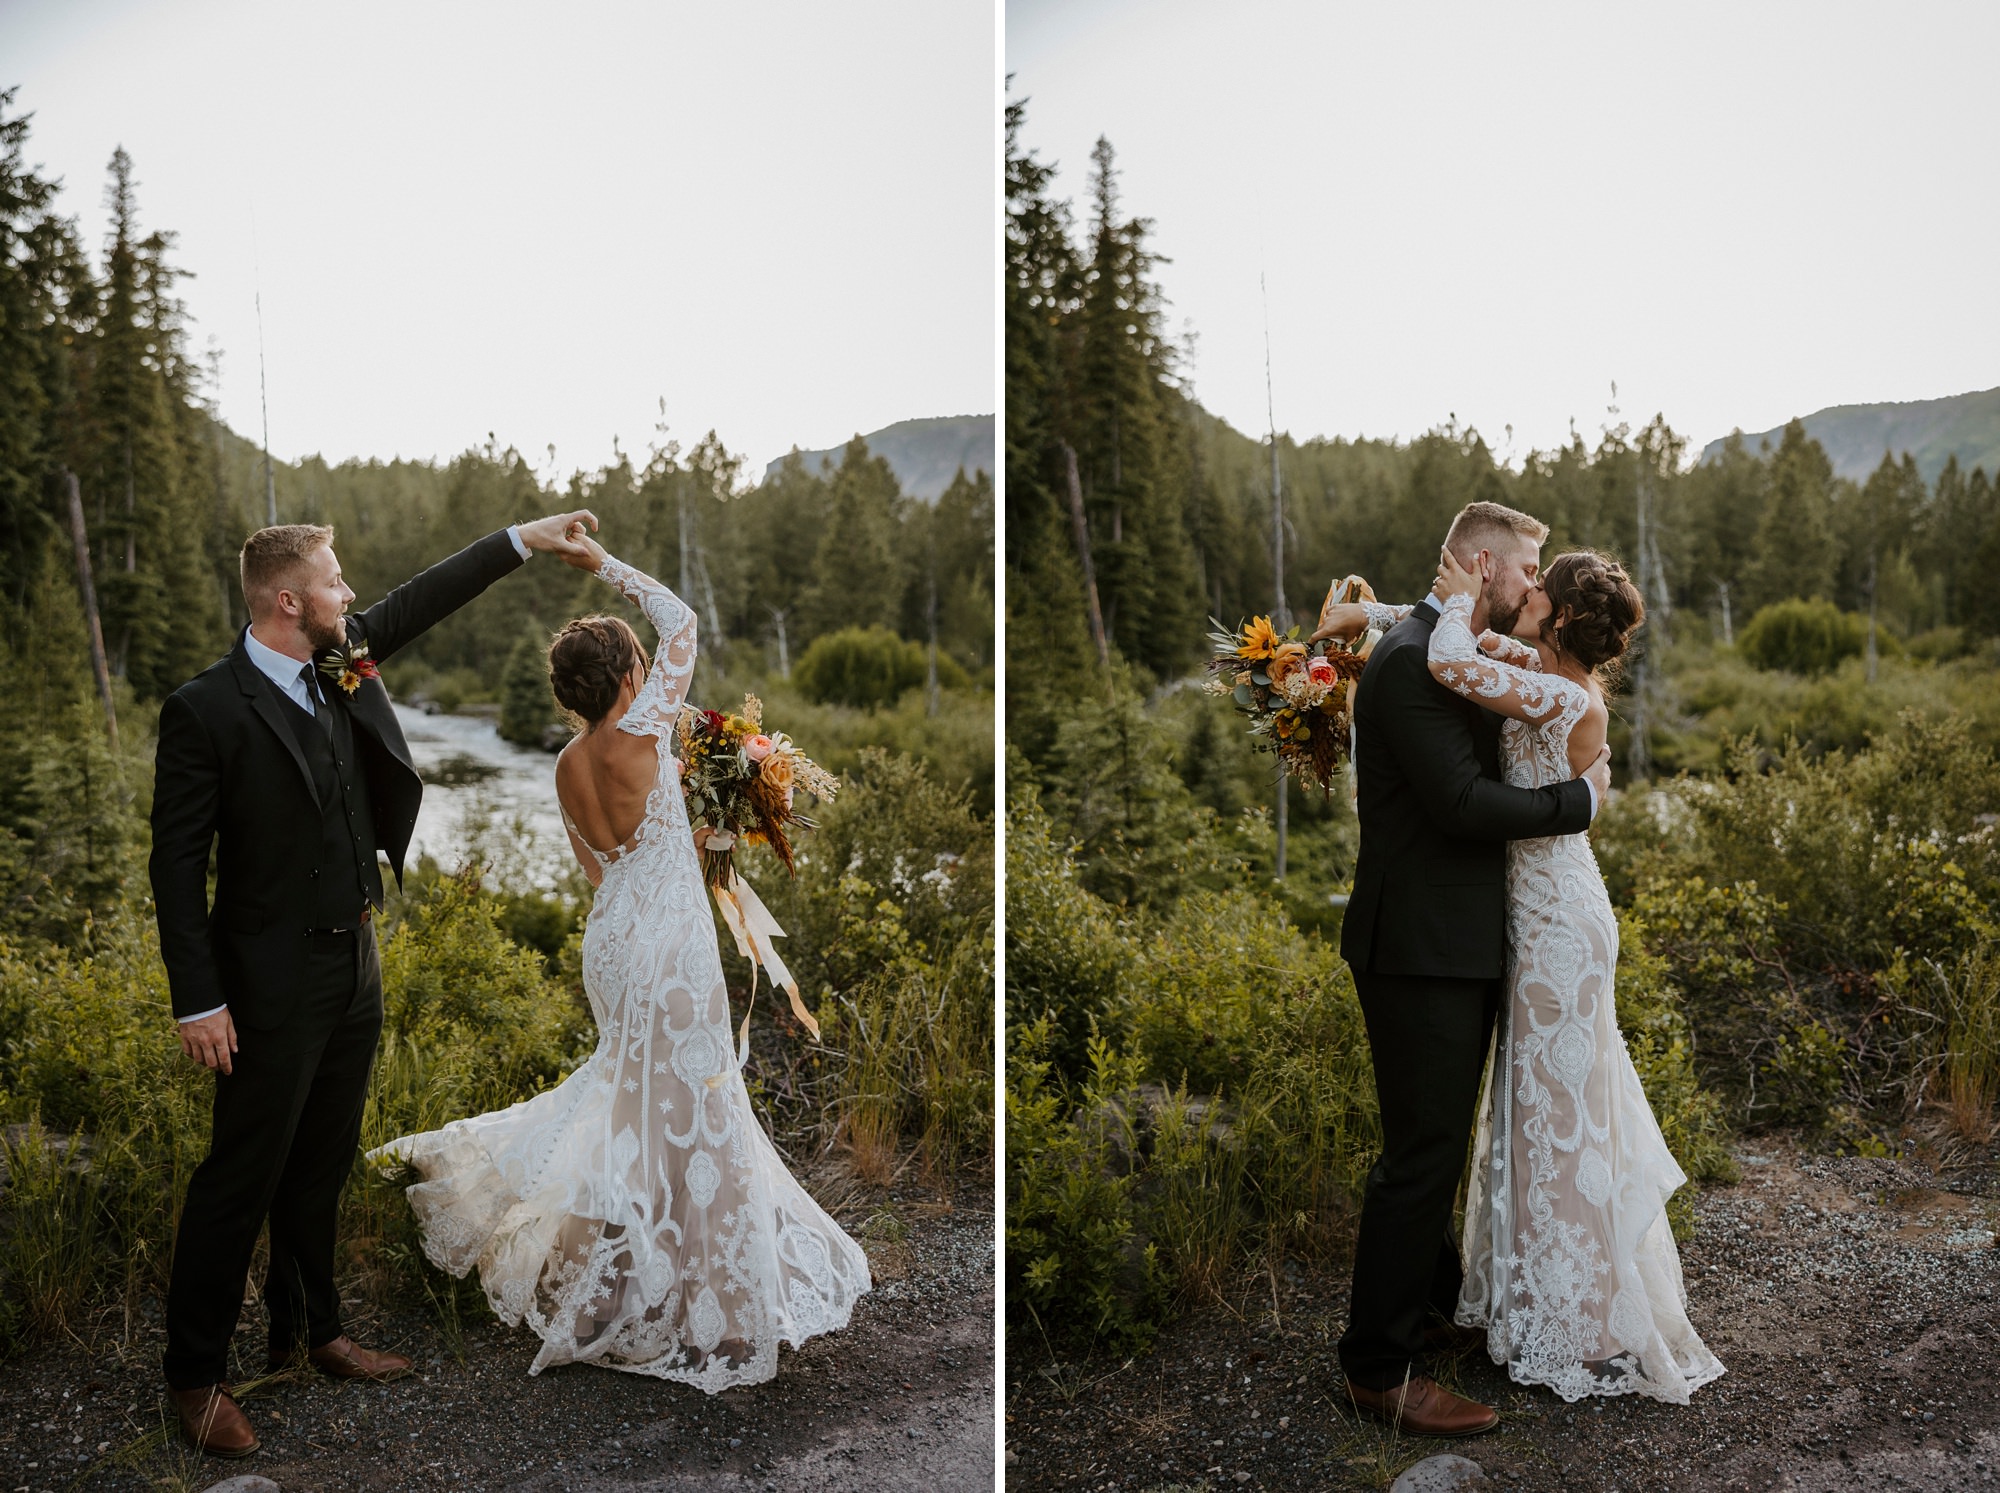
(1425, 934)
(297, 777)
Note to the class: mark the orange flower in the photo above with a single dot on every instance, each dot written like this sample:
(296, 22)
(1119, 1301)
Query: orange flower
(1259, 639)
(777, 771)
(1285, 658)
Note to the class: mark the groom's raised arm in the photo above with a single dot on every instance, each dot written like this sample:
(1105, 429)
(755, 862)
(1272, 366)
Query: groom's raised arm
(426, 599)
(1423, 729)
(187, 793)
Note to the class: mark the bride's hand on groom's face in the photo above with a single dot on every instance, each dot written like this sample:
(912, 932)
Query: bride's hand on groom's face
(1453, 579)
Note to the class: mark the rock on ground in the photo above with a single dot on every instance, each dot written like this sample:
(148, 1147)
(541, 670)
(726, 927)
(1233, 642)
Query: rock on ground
(1445, 1473)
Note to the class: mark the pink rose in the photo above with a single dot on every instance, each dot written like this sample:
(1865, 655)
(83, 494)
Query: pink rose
(1320, 671)
(757, 748)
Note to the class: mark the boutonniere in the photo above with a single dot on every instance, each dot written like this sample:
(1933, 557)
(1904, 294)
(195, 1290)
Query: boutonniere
(348, 666)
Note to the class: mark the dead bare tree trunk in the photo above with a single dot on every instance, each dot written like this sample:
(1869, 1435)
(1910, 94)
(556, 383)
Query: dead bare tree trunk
(1080, 531)
(100, 665)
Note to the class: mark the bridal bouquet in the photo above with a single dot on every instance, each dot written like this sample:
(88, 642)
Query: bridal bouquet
(739, 782)
(1299, 696)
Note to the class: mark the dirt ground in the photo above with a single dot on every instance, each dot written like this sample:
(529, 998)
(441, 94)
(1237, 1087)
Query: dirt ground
(903, 1399)
(1855, 1303)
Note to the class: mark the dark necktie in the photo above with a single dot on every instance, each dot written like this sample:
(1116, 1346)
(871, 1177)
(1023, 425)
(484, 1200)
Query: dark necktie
(320, 712)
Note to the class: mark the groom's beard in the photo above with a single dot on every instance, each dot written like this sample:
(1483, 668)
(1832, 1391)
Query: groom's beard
(1502, 615)
(324, 630)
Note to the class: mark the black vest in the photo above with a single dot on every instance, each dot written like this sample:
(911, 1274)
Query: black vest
(345, 872)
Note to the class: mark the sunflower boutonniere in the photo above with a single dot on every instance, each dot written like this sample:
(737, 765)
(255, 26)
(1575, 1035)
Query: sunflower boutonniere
(348, 666)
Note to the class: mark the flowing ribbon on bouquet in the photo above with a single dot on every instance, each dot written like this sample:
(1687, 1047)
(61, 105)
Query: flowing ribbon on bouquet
(751, 924)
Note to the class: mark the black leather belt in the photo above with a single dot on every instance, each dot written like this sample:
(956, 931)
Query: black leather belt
(367, 913)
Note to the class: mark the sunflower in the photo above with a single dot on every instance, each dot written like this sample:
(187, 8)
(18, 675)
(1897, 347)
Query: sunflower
(1260, 639)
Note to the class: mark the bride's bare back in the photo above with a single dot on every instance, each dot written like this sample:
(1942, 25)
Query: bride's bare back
(603, 778)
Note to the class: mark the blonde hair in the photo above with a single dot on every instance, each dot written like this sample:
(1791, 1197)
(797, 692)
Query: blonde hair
(272, 559)
(1480, 525)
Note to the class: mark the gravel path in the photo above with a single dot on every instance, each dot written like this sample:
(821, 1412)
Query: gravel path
(1856, 1303)
(903, 1399)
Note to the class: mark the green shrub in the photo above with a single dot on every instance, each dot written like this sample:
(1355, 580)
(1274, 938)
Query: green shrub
(1802, 637)
(1066, 952)
(868, 667)
(1868, 852)
(491, 1027)
(1079, 1272)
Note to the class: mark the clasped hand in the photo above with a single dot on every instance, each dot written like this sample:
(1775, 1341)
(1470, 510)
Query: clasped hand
(563, 534)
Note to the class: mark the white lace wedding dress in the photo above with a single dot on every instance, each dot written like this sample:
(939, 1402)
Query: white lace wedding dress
(1570, 1265)
(636, 1215)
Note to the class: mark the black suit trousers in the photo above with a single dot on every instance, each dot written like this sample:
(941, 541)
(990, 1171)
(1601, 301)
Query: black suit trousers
(1429, 1037)
(286, 1123)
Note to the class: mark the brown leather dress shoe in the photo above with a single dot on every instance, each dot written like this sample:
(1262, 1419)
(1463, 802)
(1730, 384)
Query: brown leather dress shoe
(1423, 1407)
(343, 1358)
(211, 1421)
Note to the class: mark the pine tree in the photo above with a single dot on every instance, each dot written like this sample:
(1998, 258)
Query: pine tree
(855, 580)
(1046, 595)
(527, 704)
(1125, 444)
(1795, 552)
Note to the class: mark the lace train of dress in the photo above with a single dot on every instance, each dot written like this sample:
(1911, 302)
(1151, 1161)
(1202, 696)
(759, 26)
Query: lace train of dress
(636, 1215)
(1570, 1265)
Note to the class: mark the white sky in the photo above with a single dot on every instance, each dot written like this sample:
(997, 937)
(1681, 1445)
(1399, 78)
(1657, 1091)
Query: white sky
(1739, 212)
(537, 219)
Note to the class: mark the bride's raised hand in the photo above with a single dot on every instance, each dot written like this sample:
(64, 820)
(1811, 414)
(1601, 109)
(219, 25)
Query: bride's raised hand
(583, 552)
(1453, 579)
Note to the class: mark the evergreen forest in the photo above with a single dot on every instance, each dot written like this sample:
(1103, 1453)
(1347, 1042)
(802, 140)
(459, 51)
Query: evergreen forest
(1803, 840)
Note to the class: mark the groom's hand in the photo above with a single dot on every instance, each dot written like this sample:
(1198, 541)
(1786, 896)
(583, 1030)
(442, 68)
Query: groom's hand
(210, 1040)
(552, 533)
(1598, 774)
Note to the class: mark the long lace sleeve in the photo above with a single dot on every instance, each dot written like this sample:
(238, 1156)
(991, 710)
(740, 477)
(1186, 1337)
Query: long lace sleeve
(658, 703)
(1524, 694)
(1510, 650)
(1382, 616)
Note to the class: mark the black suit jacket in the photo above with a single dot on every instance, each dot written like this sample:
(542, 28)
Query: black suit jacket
(229, 773)
(1430, 895)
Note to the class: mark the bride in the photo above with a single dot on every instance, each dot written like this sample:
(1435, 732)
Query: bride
(636, 1215)
(1571, 1268)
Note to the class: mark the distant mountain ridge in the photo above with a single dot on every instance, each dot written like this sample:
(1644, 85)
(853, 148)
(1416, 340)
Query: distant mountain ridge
(1855, 435)
(924, 454)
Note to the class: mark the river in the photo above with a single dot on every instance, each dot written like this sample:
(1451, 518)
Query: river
(486, 795)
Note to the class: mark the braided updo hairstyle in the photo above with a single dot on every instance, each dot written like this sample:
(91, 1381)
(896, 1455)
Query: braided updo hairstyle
(1604, 607)
(588, 665)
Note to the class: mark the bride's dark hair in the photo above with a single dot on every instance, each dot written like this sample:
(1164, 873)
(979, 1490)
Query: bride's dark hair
(588, 663)
(1604, 607)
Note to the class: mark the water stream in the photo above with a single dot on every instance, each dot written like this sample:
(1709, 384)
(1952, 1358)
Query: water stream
(486, 795)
